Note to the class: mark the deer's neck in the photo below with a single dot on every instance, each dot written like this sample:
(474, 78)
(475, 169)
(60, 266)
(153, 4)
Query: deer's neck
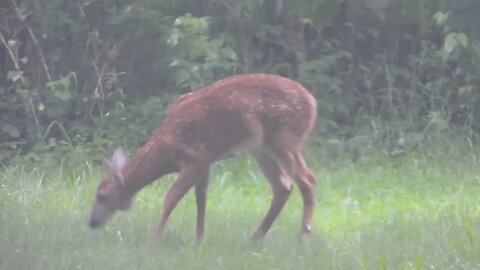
(152, 161)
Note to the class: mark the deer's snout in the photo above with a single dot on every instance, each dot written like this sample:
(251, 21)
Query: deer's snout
(100, 214)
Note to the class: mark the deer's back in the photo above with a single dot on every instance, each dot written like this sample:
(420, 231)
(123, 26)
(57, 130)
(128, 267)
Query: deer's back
(238, 108)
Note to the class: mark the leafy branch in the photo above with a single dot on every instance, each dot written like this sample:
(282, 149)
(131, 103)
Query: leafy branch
(22, 18)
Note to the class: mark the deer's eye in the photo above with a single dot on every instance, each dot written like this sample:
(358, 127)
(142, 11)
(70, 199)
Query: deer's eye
(101, 198)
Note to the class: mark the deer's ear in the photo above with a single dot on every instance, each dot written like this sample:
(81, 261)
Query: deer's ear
(119, 178)
(119, 158)
(106, 165)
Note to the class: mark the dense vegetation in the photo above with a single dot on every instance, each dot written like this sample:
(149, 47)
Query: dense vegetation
(389, 72)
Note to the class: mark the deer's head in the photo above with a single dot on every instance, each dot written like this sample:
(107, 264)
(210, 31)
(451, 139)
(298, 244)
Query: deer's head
(111, 195)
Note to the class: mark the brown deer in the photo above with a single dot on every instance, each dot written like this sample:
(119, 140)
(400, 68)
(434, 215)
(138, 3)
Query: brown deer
(268, 115)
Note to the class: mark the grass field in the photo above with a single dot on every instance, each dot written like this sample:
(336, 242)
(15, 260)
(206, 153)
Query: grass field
(411, 212)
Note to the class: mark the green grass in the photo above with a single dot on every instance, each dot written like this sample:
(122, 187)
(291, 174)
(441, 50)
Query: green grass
(414, 212)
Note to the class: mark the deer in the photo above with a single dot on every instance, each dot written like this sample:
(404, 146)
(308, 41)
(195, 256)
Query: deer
(268, 116)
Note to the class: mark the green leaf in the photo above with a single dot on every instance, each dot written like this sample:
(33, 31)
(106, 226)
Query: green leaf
(181, 76)
(12, 43)
(441, 17)
(462, 39)
(11, 130)
(173, 38)
(61, 88)
(454, 39)
(62, 95)
(14, 76)
(470, 234)
(63, 82)
(228, 53)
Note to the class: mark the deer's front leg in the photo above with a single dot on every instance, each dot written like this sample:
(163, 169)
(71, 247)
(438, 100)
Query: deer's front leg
(201, 199)
(188, 177)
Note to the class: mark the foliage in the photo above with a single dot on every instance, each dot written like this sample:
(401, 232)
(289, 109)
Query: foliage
(380, 68)
(199, 59)
(85, 141)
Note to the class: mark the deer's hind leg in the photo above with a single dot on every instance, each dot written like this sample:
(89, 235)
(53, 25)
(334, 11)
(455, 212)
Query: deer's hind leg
(281, 185)
(287, 149)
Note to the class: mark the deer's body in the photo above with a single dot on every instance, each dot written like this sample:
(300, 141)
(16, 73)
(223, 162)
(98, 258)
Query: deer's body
(268, 115)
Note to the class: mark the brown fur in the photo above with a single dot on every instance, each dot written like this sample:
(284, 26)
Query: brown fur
(268, 115)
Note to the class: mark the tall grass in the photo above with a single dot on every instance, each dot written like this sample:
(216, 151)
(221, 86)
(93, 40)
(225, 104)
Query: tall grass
(412, 212)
